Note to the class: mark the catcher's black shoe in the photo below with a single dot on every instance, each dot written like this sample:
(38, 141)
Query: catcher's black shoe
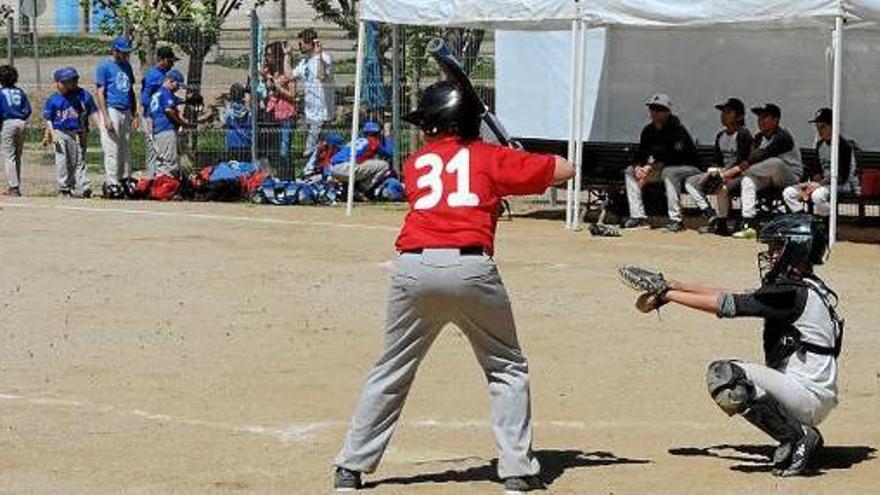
(346, 480)
(522, 484)
(802, 454)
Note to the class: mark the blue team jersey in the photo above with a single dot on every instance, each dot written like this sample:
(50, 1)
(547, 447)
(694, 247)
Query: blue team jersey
(117, 79)
(162, 100)
(70, 112)
(14, 104)
(152, 82)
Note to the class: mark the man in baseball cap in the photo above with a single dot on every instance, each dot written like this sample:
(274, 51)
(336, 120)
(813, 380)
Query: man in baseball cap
(167, 120)
(117, 109)
(733, 143)
(151, 83)
(817, 188)
(373, 153)
(666, 154)
(775, 161)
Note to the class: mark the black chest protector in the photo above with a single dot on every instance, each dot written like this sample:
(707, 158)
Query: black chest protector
(781, 337)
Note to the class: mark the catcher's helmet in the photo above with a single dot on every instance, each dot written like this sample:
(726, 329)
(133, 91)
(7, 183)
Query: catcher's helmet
(444, 109)
(792, 240)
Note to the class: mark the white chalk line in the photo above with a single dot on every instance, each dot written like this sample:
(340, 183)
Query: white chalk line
(202, 216)
(306, 430)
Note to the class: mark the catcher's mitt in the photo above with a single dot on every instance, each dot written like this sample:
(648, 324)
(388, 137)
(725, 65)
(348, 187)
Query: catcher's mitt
(647, 302)
(652, 285)
(712, 182)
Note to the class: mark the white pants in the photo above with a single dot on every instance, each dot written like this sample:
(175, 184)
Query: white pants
(821, 198)
(672, 178)
(117, 148)
(771, 172)
(796, 399)
(722, 195)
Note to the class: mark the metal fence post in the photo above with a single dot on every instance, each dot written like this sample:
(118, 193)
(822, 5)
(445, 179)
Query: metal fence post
(254, 86)
(10, 32)
(395, 95)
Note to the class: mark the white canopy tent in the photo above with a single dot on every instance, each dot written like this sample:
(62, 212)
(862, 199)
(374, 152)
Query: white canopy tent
(559, 14)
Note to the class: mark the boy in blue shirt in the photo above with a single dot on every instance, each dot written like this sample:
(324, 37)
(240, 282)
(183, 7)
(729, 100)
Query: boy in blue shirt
(151, 83)
(15, 109)
(237, 121)
(117, 104)
(166, 120)
(67, 113)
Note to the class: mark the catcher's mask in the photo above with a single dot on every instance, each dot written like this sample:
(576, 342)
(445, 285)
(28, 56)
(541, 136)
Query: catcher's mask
(793, 241)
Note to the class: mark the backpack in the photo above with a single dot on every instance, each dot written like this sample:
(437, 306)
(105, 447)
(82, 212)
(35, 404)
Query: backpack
(164, 187)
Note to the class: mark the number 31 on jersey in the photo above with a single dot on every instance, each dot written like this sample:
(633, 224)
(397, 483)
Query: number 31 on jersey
(460, 165)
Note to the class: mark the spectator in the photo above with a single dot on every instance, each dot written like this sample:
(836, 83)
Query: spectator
(15, 109)
(733, 143)
(67, 113)
(167, 119)
(774, 161)
(817, 187)
(321, 159)
(118, 111)
(373, 153)
(237, 120)
(281, 107)
(315, 70)
(153, 80)
(666, 153)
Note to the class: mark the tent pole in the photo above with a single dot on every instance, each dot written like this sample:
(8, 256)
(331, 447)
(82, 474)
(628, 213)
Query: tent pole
(355, 116)
(572, 114)
(395, 94)
(835, 125)
(579, 144)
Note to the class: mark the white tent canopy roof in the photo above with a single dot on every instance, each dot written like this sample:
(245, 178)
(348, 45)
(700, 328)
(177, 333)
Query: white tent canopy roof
(557, 14)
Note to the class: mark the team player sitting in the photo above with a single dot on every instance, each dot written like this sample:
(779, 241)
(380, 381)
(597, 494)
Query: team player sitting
(166, 120)
(446, 274)
(817, 189)
(15, 109)
(666, 154)
(796, 388)
(67, 113)
(373, 152)
(775, 161)
(733, 143)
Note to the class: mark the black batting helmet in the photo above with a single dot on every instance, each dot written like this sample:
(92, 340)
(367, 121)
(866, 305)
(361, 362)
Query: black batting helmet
(444, 109)
(792, 240)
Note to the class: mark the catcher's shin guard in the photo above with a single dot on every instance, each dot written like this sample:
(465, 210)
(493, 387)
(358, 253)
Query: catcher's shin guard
(729, 387)
(768, 416)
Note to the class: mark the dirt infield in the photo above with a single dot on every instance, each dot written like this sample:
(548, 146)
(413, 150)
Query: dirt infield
(195, 348)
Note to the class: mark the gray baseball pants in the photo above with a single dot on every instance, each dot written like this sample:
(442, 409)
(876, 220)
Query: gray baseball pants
(796, 399)
(165, 149)
(68, 155)
(314, 127)
(117, 149)
(672, 178)
(722, 195)
(12, 142)
(428, 291)
(770, 172)
(365, 174)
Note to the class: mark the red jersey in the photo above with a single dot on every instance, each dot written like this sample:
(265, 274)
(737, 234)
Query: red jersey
(454, 191)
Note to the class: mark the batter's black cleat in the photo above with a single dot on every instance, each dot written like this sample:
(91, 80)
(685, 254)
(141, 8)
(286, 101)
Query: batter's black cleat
(346, 480)
(522, 484)
(803, 453)
(636, 224)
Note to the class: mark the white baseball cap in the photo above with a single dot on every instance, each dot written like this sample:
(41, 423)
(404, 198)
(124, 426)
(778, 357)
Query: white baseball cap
(661, 100)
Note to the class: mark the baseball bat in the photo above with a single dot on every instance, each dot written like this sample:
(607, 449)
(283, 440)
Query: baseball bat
(454, 71)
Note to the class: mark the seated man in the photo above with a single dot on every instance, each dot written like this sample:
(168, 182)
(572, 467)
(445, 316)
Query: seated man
(774, 161)
(373, 154)
(733, 143)
(320, 160)
(817, 189)
(666, 153)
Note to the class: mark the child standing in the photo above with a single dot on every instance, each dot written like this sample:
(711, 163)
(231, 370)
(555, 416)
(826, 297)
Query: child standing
(166, 121)
(67, 113)
(237, 121)
(15, 109)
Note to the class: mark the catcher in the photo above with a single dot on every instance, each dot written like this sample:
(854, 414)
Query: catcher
(797, 388)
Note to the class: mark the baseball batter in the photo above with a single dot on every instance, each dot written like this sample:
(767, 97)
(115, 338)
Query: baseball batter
(796, 388)
(444, 274)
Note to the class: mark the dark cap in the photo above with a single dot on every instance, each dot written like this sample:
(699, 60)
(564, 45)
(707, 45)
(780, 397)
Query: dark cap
(823, 115)
(308, 35)
(167, 53)
(768, 109)
(734, 104)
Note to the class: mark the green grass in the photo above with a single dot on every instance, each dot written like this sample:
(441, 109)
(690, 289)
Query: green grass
(57, 46)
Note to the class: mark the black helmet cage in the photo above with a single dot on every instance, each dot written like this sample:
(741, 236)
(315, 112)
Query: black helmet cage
(792, 240)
